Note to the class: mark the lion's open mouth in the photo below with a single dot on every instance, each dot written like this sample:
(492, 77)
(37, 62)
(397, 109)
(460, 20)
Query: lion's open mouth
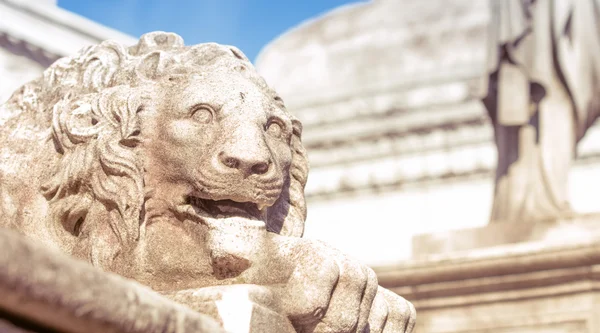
(225, 208)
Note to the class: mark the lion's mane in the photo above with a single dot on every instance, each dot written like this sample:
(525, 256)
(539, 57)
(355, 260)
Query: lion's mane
(87, 107)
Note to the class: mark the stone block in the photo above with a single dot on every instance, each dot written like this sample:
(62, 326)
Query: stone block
(497, 234)
(527, 287)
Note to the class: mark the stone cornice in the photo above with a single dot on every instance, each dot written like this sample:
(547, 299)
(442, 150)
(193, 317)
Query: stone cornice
(482, 171)
(397, 124)
(45, 33)
(406, 142)
(30, 51)
(495, 274)
(428, 93)
(455, 133)
(348, 190)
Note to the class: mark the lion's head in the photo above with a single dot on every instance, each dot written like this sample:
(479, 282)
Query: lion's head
(155, 130)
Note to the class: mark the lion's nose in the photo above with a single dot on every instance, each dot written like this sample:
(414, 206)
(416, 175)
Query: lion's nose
(248, 165)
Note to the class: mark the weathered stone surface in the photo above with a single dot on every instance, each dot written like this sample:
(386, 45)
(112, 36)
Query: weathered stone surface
(180, 168)
(49, 290)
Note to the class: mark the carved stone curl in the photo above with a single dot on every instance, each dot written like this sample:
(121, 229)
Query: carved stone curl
(180, 168)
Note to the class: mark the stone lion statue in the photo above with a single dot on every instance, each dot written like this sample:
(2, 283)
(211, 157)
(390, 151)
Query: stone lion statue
(177, 166)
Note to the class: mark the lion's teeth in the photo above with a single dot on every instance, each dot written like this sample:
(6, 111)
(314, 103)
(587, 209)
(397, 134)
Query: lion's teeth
(185, 209)
(261, 207)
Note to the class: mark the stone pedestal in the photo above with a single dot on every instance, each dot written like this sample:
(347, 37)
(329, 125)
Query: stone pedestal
(505, 278)
(577, 227)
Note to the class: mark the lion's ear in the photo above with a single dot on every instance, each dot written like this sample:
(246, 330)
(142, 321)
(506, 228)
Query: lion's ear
(286, 217)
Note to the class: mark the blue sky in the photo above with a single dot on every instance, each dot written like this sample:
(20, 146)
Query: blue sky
(247, 24)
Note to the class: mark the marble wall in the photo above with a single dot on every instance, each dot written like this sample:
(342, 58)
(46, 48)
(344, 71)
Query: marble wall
(14, 71)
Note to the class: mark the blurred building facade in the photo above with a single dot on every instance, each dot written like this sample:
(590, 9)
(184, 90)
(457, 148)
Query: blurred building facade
(398, 142)
(34, 33)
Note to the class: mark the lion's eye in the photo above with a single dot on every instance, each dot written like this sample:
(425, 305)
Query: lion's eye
(202, 114)
(274, 129)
